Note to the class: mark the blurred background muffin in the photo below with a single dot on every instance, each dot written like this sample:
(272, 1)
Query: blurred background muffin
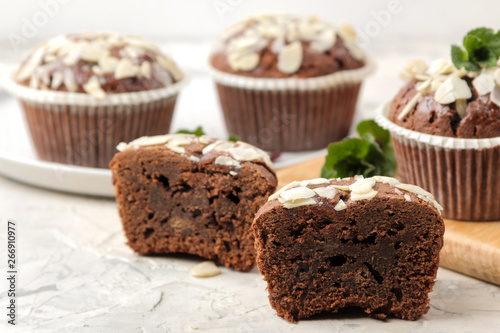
(84, 93)
(288, 83)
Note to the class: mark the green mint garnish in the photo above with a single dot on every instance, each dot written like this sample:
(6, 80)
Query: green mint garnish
(370, 155)
(481, 48)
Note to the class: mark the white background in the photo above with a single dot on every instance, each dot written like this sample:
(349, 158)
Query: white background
(425, 20)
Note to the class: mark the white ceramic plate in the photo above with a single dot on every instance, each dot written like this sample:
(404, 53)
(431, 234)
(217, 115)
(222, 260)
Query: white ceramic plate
(18, 159)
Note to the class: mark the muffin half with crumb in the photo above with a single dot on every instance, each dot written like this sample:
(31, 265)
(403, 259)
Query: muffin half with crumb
(84, 93)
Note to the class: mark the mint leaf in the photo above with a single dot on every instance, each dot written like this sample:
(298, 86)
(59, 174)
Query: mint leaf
(198, 131)
(370, 155)
(351, 157)
(371, 131)
(478, 51)
(484, 34)
(233, 138)
(460, 59)
(481, 49)
(494, 44)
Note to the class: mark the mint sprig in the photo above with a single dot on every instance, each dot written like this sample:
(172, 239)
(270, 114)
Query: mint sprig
(198, 131)
(370, 155)
(481, 48)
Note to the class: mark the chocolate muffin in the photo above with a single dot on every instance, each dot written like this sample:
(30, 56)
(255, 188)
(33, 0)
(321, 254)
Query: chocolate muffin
(289, 83)
(186, 194)
(84, 93)
(372, 243)
(445, 126)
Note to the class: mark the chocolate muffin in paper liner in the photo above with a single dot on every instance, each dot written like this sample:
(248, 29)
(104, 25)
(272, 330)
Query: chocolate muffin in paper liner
(445, 126)
(84, 93)
(289, 83)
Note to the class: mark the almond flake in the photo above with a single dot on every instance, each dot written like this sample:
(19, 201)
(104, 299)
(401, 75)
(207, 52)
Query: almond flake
(386, 180)
(107, 63)
(495, 95)
(398, 191)
(69, 80)
(484, 83)
(452, 89)
(97, 70)
(497, 76)
(461, 105)
(340, 205)
(407, 197)
(413, 68)
(283, 189)
(179, 140)
(278, 45)
(415, 189)
(363, 196)
(31, 64)
(316, 181)
(57, 80)
(145, 69)
(205, 269)
(424, 86)
(93, 87)
(290, 58)
(362, 186)
(125, 69)
(461, 89)
(227, 161)
(299, 202)
(341, 187)
(168, 64)
(441, 66)
(245, 62)
(325, 192)
(72, 57)
(145, 141)
(347, 32)
(196, 159)
(323, 41)
(93, 53)
(297, 194)
(306, 31)
(408, 107)
(176, 149)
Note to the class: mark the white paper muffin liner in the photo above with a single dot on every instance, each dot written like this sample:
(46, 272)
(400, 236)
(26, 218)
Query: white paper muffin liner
(291, 114)
(463, 174)
(75, 128)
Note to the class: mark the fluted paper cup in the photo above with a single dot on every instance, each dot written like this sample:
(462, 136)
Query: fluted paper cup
(76, 128)
(290, 114)
(463, 174)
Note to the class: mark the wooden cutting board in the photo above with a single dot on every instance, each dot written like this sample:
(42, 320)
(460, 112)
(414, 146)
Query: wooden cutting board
(472, 248)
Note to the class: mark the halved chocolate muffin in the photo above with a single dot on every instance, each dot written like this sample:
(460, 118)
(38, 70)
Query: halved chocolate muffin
(371, 243)
(187, 194)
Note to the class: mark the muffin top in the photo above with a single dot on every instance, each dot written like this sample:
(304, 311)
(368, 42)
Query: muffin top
(442, 100)
(98, 64)
(283, 46)
(205, 148)
(345, 192)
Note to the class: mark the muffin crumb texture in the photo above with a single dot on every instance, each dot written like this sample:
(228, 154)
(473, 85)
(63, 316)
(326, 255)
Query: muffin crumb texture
(197, 195)
(281, 46)
(379, 252)
(97, 64)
